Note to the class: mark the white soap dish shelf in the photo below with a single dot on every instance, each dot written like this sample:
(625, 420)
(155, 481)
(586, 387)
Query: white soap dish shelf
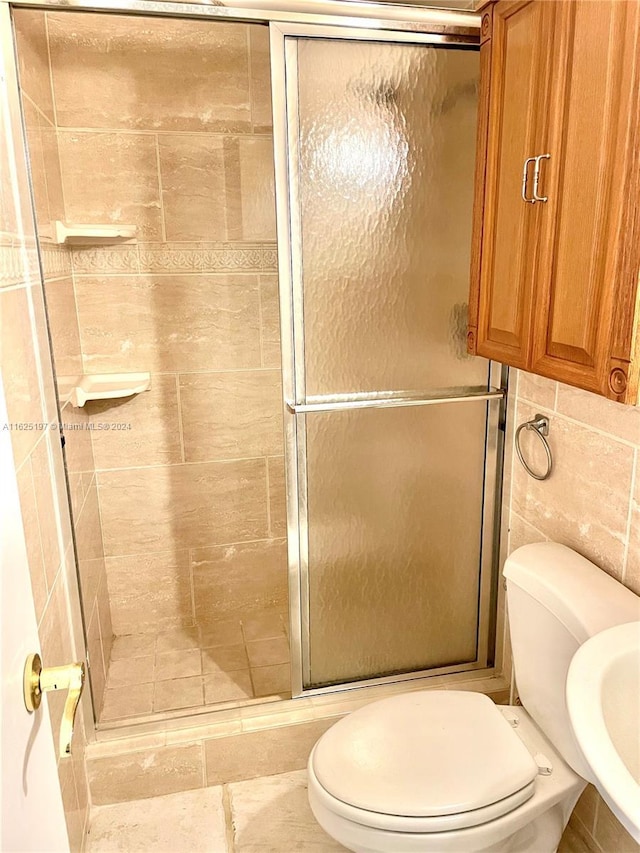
(108, 386)
(93, 235)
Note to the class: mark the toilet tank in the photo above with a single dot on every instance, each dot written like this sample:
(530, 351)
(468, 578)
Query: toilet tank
(556, 600)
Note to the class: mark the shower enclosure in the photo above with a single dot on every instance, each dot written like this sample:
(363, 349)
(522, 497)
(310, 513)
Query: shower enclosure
(391, 428)
(208, 579)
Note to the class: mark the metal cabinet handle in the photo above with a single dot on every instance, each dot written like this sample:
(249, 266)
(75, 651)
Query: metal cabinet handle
(525, 176)
(38, 681)
(536, 177)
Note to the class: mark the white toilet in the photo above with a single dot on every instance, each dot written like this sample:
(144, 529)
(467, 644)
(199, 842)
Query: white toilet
(449, 770)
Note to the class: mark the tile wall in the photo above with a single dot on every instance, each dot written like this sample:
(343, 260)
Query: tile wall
(42, 139)
(25, 367)
(183, 150)
(179, 492)
(590, 503)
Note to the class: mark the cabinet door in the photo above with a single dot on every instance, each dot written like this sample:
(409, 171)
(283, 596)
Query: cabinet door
(581, 239)
(517, 41)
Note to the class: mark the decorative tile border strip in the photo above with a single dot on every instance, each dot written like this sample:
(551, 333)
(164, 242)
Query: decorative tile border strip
(176, 258)
(208, 257)
(56, 261)
(105, 260)
(18, 265)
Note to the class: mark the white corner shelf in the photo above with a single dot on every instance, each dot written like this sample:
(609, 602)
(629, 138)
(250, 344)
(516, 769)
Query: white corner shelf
(93, 235)
(108, 386)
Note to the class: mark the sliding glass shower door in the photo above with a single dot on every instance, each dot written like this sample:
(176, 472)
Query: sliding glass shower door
(392, 430)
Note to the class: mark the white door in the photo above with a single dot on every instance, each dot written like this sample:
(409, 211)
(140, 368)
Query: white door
(32, 813)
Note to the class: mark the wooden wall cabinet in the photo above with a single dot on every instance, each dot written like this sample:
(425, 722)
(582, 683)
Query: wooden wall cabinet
(556, 246)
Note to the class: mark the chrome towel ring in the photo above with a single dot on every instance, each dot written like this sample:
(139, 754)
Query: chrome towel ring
(539, 425)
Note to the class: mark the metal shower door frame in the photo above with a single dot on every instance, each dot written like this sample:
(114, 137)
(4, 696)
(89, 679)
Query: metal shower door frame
(284, 82)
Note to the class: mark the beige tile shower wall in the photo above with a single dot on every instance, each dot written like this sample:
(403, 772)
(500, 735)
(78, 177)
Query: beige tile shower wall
(190, 474)
(27, 377)
(39, 114)
(591, 503)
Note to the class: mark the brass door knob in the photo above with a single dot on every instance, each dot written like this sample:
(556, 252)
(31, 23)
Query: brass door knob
(38, 681)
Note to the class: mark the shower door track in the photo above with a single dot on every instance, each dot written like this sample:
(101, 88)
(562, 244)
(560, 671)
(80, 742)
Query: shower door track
(445, 27)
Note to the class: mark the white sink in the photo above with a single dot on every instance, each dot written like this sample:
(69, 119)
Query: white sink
(603, 697)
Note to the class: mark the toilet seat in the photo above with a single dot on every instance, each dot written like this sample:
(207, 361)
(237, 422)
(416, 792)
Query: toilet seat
(423, 762)
(419, 825)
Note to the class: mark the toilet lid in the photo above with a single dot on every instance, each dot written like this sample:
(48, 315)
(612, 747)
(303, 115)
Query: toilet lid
(423, 754)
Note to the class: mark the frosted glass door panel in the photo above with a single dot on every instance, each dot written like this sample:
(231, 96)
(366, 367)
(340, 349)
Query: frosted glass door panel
(387, 505)
(395, 501)
(386, 162)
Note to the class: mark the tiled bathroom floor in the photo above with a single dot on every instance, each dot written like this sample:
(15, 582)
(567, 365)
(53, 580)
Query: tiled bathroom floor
(266, 815)
(187, 668)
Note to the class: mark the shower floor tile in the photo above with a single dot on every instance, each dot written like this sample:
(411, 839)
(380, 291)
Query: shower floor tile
(178, 693)
(224, 659)
(177, 640)
(231, 660)
(221, 634)
(181, 664)
(123, 702)
(227, 686)
(271, 680)
(133, 645)
(268, 652)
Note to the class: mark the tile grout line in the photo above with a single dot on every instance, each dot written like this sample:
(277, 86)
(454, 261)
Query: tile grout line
(268, 494)
(197, 548)
(568, 419)
(584, 830)
(261, 324)
(106, 663)
(512, 410)
(161, 466)
(215, 372)
(128, 131)
(57, 278)
(180, 420)
(160, 190)
(250, 81)
(25, 96)
(203, 760)
(513, 512)
(52, 88)
(596, 813)
(21, 285)
(227, 806)
(31, 153)
(150, 272)
(632, 491)
(249, 667)
(193, 602)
